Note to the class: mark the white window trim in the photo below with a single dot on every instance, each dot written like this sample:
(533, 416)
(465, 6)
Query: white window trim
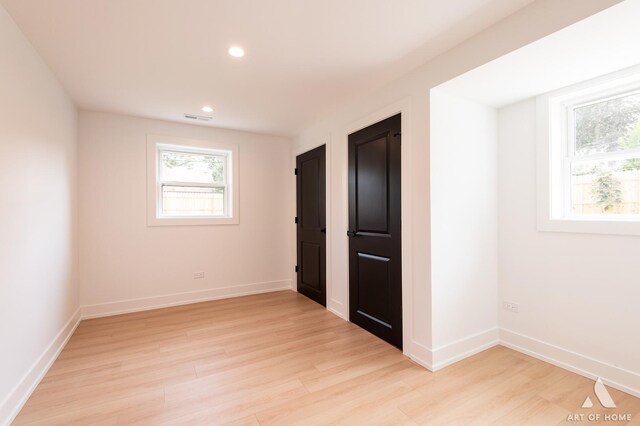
(232, 215)
(551, 154)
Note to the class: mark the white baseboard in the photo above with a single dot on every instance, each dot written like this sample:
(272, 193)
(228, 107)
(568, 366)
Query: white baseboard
(337, 308)
(463, 348)
(11, 406)
(435, 359)
(420, 354)
(439, 358)
(156, 302)
(611, 375)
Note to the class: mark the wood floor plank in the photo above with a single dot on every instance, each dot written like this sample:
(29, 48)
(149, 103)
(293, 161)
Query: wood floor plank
(281, 359)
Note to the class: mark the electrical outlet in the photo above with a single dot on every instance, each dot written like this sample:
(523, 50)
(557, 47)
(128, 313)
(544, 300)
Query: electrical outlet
(510, 306)
(198, 275)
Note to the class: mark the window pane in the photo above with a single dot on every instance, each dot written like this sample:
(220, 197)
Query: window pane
(609, 187)
(188, 167)
(608, 126)
(188, 201)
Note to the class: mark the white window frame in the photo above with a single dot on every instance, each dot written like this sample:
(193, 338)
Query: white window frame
(158, 143)
(554, 135)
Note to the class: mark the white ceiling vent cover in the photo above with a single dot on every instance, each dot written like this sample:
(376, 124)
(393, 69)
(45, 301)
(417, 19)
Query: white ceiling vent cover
(197, 117)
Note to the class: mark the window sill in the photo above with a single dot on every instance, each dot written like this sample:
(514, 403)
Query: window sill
(590, 226)
(195, 221)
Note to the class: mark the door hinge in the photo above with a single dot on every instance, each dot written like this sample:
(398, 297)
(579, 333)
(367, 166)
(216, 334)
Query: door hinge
(296, 268)
(296, 219)
(295, 171)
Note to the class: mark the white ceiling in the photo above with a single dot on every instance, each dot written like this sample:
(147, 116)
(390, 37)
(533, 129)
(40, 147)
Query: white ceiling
(601, 44)
(162, 58)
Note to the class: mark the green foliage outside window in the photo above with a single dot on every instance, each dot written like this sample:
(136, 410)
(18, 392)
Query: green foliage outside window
(606, 191)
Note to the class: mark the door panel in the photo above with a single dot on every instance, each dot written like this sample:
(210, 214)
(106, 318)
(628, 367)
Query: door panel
(310, 265)
(309, 171)
(311, 232)
(375, 274)
(372, 297)
(371, 190)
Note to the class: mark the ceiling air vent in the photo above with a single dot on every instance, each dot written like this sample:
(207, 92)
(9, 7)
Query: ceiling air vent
(197, 117)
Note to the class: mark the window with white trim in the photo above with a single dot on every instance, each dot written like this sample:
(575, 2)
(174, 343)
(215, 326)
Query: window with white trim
(191, 182)
(595, 152)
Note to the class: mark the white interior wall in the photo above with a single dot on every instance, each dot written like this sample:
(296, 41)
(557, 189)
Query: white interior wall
(127, 265)
(464, 228)
(577, 293)
(525, 26)
(121, 257)
(38, 285)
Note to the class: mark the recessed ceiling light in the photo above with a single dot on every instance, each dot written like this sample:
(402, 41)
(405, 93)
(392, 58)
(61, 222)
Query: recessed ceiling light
(236, 52)
(207, 108)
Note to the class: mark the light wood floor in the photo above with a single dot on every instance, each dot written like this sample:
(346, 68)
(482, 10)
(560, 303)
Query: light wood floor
(279, 359)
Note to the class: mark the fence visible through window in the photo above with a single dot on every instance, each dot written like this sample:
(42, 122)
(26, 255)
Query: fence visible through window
(189, 201)
(613, 193)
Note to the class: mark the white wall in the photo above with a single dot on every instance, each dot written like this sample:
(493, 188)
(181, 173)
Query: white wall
(525, 26)
(121, 258)
(464, 228)
(578, 293)
(38, 285)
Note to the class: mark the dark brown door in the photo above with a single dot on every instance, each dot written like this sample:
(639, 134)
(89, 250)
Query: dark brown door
(375, 280)
(311, 240)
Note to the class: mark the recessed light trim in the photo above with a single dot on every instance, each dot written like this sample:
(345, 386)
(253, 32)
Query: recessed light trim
(236, 51)
(207, 108)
